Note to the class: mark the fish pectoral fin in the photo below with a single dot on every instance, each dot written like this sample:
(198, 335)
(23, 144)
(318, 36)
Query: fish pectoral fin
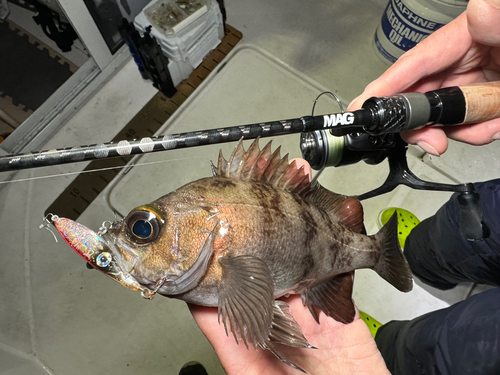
(246, 295)
(246, 302)
(333, 297)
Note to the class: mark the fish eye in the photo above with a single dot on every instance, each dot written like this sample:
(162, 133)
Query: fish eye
(142, 228)
(143, 225)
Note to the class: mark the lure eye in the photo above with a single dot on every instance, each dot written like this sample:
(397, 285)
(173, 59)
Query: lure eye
(104, 259)
(143, 226)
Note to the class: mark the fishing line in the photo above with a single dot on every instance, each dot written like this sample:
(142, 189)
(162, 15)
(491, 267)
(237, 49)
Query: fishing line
(157, 162)
(339, 102)
(332, 94)
(92, 170)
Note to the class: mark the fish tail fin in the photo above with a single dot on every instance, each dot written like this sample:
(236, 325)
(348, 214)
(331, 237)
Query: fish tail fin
(392, 265)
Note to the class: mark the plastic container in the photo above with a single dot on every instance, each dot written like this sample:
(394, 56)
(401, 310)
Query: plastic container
(407, 22)
(187, 42)
(171, 16)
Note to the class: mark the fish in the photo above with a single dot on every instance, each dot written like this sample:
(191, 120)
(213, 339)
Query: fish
(255, 231)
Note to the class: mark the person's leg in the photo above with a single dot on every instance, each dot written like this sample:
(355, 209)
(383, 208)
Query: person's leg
(461, 339)
(464, 338)
(439, 255)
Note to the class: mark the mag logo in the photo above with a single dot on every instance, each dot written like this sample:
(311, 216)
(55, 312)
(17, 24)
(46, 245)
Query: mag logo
(338, 119)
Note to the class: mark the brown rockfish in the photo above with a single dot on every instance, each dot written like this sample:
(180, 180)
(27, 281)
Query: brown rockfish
(255, 231)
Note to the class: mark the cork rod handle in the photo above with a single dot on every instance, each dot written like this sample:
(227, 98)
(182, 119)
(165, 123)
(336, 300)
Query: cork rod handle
(482, 101)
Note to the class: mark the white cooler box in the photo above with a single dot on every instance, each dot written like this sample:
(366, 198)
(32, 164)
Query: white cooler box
(189, 41)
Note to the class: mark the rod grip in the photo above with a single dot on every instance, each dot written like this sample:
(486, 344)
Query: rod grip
(482, 101)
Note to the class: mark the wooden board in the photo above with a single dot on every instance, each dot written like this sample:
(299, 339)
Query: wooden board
(87, 186)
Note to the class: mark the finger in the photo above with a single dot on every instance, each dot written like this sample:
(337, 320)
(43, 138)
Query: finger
(476, 134)
(233, 357)
(432, 140)
(431, 56)
(206, 318)
(483, 17)
(307, 168)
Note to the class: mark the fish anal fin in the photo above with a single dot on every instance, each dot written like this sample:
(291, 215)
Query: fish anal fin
(246, 295)
(333, 297)
(285, 329)
(392, 265)
(273, 348)
(347, 210)
(285, 332)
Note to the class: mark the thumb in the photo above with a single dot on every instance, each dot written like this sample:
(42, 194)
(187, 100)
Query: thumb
(483, 19)
(356, 103)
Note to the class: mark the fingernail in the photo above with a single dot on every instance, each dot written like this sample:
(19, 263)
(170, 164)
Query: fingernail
(496, 136)
(494, 3)
(428, 148)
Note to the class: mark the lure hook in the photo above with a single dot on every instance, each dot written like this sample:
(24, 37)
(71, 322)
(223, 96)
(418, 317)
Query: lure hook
(148, 293)
(47, 220)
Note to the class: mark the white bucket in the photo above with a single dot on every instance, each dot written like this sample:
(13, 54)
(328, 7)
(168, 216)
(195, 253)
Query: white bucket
(407, 22)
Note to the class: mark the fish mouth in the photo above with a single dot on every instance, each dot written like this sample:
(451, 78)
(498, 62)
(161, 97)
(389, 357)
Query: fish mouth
(97, 252)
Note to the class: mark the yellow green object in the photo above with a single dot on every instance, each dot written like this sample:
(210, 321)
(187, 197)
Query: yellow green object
(406, 222)
(372, 323)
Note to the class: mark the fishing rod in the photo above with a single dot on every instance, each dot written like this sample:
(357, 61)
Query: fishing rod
(379, 116)
(370, 134)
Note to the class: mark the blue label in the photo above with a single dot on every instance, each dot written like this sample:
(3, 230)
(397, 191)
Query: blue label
(383, 51)
(403, 28)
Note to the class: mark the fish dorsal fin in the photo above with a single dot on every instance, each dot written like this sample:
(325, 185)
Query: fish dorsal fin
(347, 210)
(255, 164)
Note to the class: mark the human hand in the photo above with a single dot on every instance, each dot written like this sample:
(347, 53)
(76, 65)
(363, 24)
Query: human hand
(342, 348)
(465, 51)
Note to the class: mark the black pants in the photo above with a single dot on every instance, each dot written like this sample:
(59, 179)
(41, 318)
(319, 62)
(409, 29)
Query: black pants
(463, 338)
